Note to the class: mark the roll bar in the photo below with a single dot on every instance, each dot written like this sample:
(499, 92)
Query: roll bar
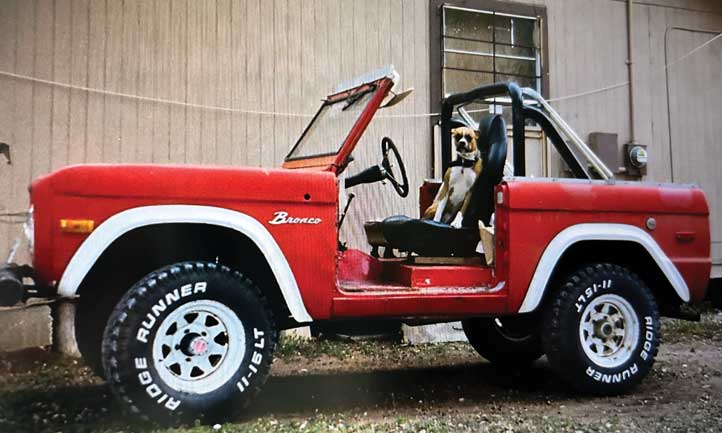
(486, 91)
(551, 119)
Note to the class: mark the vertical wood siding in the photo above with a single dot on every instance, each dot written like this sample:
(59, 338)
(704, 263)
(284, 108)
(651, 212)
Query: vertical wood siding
(283, 56)
(694, 114)
(587, 51)
(275, 56)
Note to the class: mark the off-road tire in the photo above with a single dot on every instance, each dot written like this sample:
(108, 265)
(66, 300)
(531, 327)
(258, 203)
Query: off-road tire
(140, 328)
(586, 293)
(501, 346)
(90, 322)
(714, 293)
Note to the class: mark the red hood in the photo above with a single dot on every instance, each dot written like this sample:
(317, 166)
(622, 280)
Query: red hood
(189, 183)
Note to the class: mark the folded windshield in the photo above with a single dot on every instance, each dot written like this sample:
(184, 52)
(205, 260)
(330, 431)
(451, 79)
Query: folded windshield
(331, 125)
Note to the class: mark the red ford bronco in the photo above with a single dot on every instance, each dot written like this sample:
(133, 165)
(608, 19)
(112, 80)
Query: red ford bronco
(184, 276)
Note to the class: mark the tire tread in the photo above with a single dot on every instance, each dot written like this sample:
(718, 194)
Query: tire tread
(133, 301)
(553, 339)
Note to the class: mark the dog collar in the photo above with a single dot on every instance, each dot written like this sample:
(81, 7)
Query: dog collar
(471, 156)
(462, 162)
(466, 159)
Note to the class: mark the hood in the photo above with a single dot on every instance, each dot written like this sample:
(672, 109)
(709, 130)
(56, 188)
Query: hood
(189, 183)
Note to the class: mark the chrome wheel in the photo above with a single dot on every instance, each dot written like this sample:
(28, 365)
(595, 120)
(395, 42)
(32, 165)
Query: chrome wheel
(609, 331)
(199, 347)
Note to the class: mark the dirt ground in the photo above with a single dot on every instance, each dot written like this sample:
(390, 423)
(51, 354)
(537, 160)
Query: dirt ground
(387, 387)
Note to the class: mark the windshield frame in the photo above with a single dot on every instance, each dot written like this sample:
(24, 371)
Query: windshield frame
(336, 161)
(338, 98)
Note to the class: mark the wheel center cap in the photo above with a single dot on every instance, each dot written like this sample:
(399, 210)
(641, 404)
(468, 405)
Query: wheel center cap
(198, 346)
(606, 330)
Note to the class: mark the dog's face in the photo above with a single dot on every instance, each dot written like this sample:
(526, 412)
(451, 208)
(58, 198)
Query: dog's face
(464, 139)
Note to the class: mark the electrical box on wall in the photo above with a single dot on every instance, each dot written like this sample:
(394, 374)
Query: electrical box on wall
(604, 145)
(635, 159)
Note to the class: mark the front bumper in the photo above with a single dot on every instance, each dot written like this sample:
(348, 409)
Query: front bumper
(13, 288)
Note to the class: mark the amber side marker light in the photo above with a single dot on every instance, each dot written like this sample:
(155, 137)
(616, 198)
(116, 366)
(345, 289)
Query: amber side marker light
(77, 226)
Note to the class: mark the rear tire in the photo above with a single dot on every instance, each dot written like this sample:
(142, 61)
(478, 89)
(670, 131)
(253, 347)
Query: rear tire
(602, 329)
(714, 293)
(508, 341)
(190, 341)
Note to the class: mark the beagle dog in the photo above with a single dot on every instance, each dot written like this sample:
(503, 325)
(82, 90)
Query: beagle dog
(452, 199)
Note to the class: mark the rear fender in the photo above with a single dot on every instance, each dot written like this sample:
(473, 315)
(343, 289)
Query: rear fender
(598, 232)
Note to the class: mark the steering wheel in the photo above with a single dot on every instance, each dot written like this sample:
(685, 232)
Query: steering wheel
(388, 147)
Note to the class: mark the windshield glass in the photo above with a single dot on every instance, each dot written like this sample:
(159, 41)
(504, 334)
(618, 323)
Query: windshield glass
(328, 130)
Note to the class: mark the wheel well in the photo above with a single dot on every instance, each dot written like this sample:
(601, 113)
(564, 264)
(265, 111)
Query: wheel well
(628, 254)
(140, 251)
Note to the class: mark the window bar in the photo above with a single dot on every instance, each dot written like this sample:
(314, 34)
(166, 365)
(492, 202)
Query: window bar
(485, 71)
(464, 38)
(511, 31)
(537, 70)
(483, 54)
(481, 11)
(493, 50)
(443, 50)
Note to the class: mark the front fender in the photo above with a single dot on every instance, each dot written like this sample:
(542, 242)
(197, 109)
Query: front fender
(119, 224)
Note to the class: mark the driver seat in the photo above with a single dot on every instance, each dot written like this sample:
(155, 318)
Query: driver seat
(430, 238)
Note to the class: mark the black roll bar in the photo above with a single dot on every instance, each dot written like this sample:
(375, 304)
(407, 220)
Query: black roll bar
(489, 90)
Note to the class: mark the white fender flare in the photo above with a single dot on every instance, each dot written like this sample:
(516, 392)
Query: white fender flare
(117, 225)
(598, 232)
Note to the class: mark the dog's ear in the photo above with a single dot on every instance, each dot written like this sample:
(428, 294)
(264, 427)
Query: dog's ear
(477, 134)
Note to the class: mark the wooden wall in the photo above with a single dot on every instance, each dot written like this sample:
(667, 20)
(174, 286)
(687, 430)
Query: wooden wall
(695, 92)
(283, 56)
(587, 50)
(267, 55)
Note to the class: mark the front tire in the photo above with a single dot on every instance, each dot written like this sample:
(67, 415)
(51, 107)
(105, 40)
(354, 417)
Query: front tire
(602, 330)
(190, 341)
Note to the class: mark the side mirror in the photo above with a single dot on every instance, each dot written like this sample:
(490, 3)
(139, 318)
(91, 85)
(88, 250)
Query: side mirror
(396, 98)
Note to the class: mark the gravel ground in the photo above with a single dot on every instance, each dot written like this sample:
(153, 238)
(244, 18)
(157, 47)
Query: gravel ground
(386, 387)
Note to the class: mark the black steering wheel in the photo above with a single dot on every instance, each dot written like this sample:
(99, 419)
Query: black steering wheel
(402, 188)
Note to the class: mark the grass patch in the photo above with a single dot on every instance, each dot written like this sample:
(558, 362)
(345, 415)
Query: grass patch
(709, 328)
(479, 422)
(291, 347)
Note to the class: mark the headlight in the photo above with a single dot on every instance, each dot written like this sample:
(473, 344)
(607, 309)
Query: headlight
(29, 229)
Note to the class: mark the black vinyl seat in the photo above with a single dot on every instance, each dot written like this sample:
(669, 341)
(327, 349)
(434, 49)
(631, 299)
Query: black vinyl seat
(430, 238)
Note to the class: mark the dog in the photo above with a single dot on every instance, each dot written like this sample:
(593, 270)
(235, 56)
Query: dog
(451, 201)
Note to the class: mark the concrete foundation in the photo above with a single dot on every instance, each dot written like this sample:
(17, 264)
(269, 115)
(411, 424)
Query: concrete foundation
(41, 323)
(436, 333)
(303, 332)
(64, 329)
(25, 326)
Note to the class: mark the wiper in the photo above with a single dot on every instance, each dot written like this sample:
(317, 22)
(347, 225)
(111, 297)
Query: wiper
(354, 97)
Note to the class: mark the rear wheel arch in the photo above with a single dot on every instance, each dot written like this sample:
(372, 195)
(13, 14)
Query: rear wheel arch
(620, 244)
(629, 254)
